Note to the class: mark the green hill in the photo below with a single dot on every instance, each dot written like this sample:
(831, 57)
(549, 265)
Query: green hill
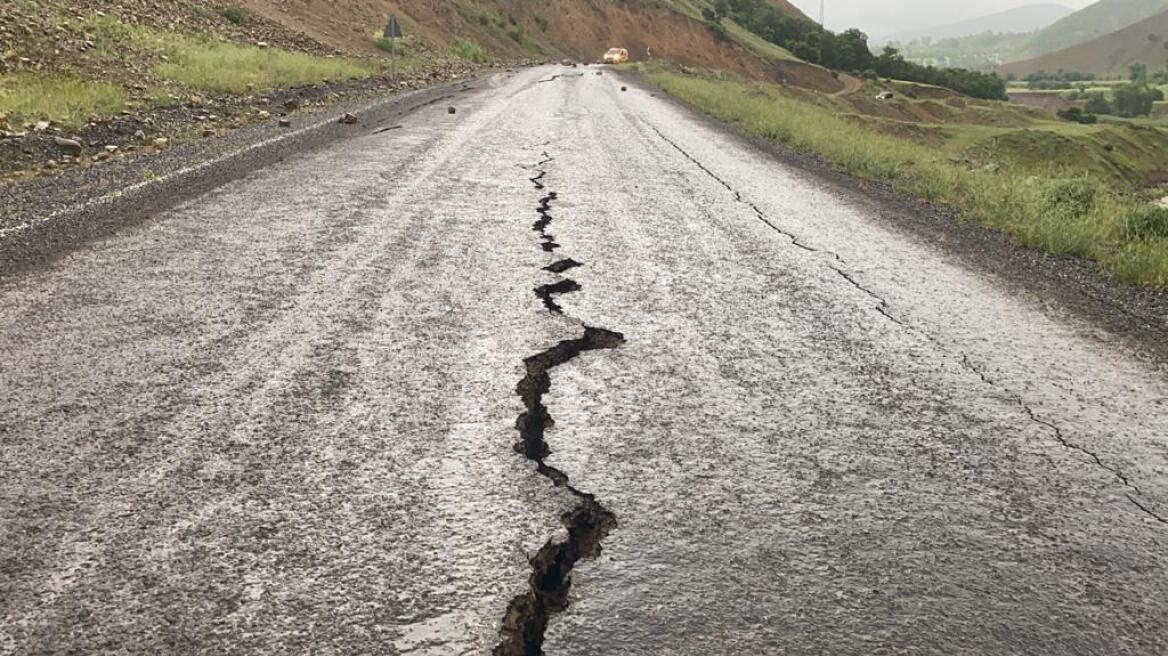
(1092, 22)
(1146, 42)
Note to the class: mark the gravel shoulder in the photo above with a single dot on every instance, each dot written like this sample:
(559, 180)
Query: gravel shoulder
(43, 218)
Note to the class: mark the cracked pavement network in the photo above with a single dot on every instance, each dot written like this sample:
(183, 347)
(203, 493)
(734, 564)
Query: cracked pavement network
(589, 522)
(281, 418)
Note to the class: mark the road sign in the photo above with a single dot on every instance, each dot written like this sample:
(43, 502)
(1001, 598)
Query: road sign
(392, 28)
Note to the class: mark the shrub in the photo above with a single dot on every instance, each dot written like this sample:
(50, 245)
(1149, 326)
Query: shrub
(389, 45)
(1071, 198)
(542, 23)
(1077, 115)
(517, 34)
(1147, 221)
(1097, 103)
(236, 15)
(468, 50)
(719, 30)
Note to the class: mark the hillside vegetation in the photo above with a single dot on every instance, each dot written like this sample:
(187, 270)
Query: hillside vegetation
(1011, 51)
(1144, 43)
(1092, 22)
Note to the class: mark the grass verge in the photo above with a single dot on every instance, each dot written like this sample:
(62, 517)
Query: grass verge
(202, 63)
(229, 68)
(67, 100)
(1053, 208)
(468, 50)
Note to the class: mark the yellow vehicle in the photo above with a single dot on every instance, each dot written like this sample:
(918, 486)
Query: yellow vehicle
(616, 56)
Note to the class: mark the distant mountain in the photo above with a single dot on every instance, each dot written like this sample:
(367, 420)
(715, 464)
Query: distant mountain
(1021, 20)
(1092, 22)
(1146, 42)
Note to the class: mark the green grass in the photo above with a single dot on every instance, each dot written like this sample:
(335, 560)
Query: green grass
(1048, 205)
(201, 63)
(218, 67)
(69, 101)
(468, 50)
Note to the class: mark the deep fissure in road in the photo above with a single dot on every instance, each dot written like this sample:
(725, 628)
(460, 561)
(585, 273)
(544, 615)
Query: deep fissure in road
(545, 219)
(547, 293)
(588, 523)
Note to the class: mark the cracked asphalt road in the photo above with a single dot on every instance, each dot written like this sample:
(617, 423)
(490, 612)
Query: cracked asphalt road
(281, 418)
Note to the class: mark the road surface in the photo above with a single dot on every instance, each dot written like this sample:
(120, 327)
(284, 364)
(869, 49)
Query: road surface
(568, 369)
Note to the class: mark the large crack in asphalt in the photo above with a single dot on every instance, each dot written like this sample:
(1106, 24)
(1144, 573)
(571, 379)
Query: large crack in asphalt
(884, 308)
(589, 522)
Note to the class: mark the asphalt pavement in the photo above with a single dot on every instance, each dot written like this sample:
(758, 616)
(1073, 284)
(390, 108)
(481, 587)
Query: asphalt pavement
(569, 369)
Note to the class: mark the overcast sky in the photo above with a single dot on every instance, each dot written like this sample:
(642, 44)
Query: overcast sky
(881, 17)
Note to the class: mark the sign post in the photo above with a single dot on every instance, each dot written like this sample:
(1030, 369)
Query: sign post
(393, 33)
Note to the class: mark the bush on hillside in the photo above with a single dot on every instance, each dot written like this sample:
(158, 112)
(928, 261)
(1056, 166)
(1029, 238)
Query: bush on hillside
(1097, 103)
(719, 30)
(389, 45)
(1148, 221)
(1071, 198)
(236, 15)
(468, 50)
(1076, 115)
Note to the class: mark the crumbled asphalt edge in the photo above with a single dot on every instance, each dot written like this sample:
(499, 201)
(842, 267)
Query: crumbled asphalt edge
(81, 213)
(526, 620)
(884, 309)
(1062, 283)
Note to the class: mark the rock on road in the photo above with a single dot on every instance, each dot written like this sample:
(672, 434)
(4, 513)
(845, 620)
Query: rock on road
(281, 418)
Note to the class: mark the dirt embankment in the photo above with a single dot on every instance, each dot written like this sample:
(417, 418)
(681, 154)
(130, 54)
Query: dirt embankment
(535, 29)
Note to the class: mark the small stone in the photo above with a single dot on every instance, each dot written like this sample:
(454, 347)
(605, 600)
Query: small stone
(51, 164)
(70, 146)
(263, 116)
(101, 157)
(41, 126)
(347, 119)
(451, 110)
(624, 88)
(140, 135)
(285, 123)
(111, 149)
(208, 133)
(263, 44)
(161, 142)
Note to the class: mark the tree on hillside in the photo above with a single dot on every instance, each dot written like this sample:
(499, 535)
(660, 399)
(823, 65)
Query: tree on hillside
(1097, 103)
(1134, 100)
(1139, 72)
